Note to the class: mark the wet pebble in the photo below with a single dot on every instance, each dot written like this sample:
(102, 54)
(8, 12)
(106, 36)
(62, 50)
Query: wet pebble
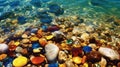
(94, 57)
(51, 51)
(3, 48)
(37, 60)
(20, 61)
(77, 59)
(110, 53)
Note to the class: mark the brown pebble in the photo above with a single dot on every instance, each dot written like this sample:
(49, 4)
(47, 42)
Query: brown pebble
(24, 51)
(94, 57)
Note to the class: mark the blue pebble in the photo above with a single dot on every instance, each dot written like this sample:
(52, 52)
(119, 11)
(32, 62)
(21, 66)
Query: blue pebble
(87, 49)
(42, 14)
(44, 27)
(21, 20)
(57, 10)
(8, 61)
(36, 3)
(6, 30)
(35, 45)
(53, 65)
(14, 3)
(34, 30)
(46, 19)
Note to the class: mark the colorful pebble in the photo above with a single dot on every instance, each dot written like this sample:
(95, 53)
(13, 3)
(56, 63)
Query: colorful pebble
(77, 60)
(37, 60)
(20, 61)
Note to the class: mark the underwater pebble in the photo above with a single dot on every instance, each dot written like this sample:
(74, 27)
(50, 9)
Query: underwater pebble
(62, 56)
(25, 41)
(37, 60)
(18, 49)
(24, 36)
(2, 56)
(85, 36)
(3, 48)
(94, 57)
(15, 21)
(51, 51)
(20, 61)
(42, 41)
(103, 62)
(87, 49)
(77, 59)
(110, 53)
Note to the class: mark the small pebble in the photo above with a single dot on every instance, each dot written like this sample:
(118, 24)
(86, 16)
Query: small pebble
(34, 39)
(37, 60)
(3, 48)
(17, 43)
(24, 36)
(25, 40)
(94, 57)
(14, 21)
(37, 50)
(20, 61)
(77, 60)
(18, 49)
(62, 56)
(42, 41)
(2, 56)
(87, 49)
(53, 65)
(49, 37)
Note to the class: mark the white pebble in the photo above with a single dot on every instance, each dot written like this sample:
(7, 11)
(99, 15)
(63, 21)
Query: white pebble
(3, 48)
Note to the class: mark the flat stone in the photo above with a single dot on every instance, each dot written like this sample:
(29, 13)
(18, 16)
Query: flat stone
(3, 48)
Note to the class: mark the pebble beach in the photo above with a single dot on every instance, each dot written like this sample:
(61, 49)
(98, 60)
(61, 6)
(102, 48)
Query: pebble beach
(53, 33)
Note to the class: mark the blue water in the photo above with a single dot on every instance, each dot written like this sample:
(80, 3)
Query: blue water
(29, 10)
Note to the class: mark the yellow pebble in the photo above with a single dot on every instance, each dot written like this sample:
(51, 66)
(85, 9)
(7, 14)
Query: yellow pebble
(20, 61)
(62, 65)
(15, 21)
(49, 37)
(34, 38)
(85, 65)
(77, 60)
(16, 43)
(37, 50)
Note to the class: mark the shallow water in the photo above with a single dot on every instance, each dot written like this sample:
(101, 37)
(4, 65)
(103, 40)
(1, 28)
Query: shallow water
(91, 10)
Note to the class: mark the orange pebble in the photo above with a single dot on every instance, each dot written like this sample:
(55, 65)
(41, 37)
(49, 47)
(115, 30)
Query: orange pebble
(42, 41)
(39, 33)
(3, 56)
(83, 59)
(37, 60)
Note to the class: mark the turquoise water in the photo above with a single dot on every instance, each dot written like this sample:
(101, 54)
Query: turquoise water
(92, 10)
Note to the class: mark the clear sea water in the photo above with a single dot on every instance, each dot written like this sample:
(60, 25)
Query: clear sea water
(94, 10)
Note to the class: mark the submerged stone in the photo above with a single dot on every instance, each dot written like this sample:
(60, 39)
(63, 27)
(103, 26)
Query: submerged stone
(53, 65)
(3, 48)
(37, 60)
(47, 19)
(21, 20)
(35, 45)
(57, 10)
(110, 53)
(7, 61)
(36, 3)
(51, 51)
(87, 49)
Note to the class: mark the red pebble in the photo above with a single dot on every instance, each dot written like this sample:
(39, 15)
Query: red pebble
(37, 60)
(12, 47)
(76, 51)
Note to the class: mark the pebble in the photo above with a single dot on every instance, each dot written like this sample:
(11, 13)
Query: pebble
(3, 48)
(25, 41)
(34, 38)
(94, 57)
(49, 37)
(1, 40)
(18, 49)
(85, 36)
(62, 56)
(2, 56)
(20, 61)
(77, 60)
(42, 41)
(24, 36)
(87, 49)
(14, 21)
(53, 65)
(110, 53)
(37, 60)
(51, 51)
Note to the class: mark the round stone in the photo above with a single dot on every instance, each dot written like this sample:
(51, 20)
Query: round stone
(51, 51)
(53, 65)
(42, 41)
(37, 60)
(3, 56)
(94, 57)
(34, 38)
(18, 49)
(20, 61)
(77, 60)
(87, 49)
(3, 48)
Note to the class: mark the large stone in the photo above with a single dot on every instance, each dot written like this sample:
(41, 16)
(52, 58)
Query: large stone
(51, 51)
(108, 52)
(3, 48)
